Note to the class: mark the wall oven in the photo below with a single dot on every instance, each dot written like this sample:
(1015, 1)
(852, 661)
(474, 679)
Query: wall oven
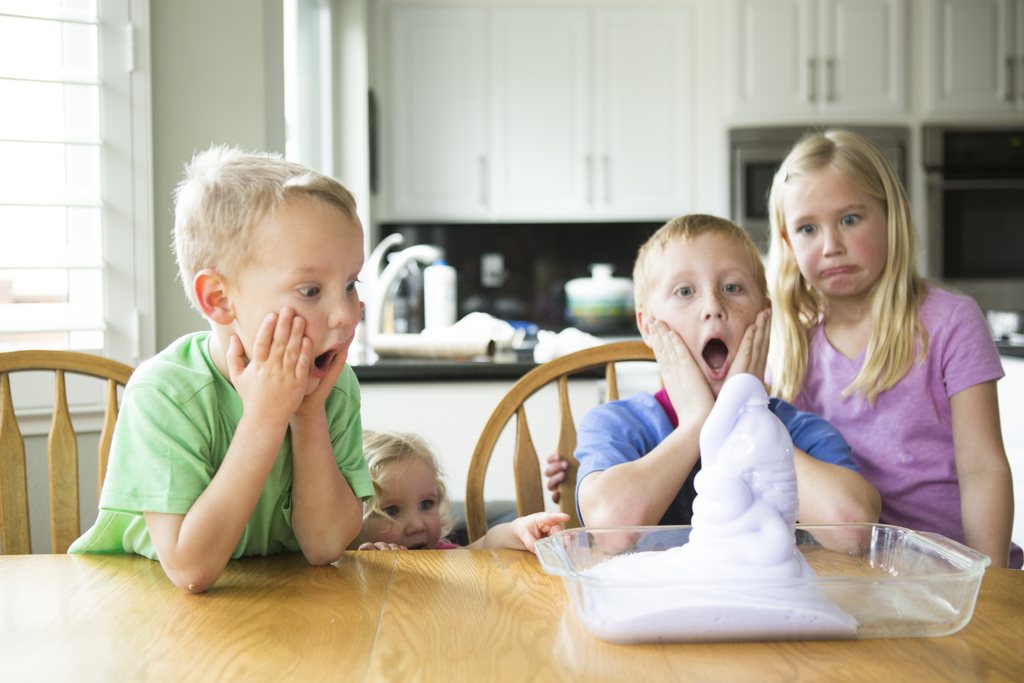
(755, 154)
(975, 201)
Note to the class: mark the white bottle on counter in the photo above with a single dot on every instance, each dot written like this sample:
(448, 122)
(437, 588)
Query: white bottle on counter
(440, 307)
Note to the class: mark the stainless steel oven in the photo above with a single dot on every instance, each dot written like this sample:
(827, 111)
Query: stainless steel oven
(975, 202)
(757, 153)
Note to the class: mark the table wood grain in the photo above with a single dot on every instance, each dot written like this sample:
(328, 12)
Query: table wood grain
(451, 616)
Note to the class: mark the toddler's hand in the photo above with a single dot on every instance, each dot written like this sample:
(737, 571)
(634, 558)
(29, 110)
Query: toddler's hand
(381, 545)
(273, 382)
(538, 525)
(752, 356)
(555, 473)
(687, 387)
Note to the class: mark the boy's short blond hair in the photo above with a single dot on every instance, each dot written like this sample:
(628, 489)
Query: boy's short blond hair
(385, 448)
(689, 228)
(226, 194)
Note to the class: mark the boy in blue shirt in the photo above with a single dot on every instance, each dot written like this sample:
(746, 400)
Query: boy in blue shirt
(702, 305)
(246, 439)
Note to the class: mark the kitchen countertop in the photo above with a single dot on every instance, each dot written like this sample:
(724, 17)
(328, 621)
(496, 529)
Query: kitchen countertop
(424, 370)
(1006, 349)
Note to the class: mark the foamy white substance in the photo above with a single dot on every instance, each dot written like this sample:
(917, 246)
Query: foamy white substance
(742, 539)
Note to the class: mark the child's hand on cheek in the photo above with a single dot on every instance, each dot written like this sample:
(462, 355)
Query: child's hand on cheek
(688, 388)
(273, 382)
(752, 357)
(314, 402)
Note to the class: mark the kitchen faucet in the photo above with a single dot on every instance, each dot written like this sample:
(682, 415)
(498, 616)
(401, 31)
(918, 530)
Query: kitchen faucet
(379, 286)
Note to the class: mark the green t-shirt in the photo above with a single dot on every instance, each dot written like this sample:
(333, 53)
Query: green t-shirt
(178, 416)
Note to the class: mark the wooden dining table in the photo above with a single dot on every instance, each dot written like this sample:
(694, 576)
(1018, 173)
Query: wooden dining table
(443, 615)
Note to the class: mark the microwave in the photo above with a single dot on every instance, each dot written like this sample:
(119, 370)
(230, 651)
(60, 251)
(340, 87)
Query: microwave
(755, 155)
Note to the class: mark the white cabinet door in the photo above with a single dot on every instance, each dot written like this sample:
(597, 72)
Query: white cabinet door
(775, 60)
(800, 58)
(543, 163)
(437, 101)
(644, 121)
(973, 56)
(863, 56)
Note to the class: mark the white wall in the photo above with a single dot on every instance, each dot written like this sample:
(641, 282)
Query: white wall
(218, 77)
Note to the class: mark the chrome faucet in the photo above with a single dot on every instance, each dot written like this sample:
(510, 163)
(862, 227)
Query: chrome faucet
(378, 286)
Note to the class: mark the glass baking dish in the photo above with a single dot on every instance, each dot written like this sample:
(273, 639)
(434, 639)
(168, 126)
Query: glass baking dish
(873, 581)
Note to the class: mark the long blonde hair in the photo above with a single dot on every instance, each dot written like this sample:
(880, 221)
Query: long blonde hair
(897, 337)
(384, 448)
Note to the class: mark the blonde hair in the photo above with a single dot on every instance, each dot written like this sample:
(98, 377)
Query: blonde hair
(386, 448)
(690, 228)
(226, 194)
(897, 336)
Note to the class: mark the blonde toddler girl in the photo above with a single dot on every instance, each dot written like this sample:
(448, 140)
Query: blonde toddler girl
(410, 508)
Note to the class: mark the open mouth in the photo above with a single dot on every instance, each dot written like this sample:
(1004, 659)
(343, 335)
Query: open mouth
(322, 362)
(716, 357)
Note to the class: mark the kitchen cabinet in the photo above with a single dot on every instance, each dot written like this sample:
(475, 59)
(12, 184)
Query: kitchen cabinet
(976, 57)
(435, 150)
(502, 111)
(818, 58)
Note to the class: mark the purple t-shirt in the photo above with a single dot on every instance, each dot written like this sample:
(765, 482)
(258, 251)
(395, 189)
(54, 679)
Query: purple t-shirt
(904, 445)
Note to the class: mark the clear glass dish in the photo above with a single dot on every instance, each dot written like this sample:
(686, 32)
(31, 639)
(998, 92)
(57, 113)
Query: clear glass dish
(885, 581)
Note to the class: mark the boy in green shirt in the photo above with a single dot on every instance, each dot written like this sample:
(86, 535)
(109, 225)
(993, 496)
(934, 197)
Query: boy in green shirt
(246, 440)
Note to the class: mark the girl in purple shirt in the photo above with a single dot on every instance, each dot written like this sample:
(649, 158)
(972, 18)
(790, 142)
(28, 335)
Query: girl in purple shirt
(410, 509)
(906, 371)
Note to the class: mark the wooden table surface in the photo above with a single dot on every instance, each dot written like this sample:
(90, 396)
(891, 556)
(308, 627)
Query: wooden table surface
(455, 615)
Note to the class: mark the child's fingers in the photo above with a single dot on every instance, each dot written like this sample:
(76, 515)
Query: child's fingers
(282, 334)
(236, 357)
(264, 337)
(292, 353)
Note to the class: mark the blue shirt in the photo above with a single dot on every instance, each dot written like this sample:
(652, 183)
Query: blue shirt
(624, 431)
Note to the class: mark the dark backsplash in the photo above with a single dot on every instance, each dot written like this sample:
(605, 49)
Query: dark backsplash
(539, 258)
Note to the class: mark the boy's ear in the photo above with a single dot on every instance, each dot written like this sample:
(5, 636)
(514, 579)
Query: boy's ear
(211, 293)
(641, 324)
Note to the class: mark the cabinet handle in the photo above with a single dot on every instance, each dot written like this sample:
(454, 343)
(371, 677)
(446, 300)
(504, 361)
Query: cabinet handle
(483, 180)
(607, 160)
(812, 72)
(1010, 63)
(589, 178)
(830, 72)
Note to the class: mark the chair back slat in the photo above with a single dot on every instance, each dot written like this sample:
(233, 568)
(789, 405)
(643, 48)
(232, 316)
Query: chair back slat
(566, 447)
(15, 538)
(106, 436)
(611, 379)
(529, 488)
(62, 452)
(512, 404)
(61, 446)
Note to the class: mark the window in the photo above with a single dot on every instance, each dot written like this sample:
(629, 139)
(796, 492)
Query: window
(75, 177)
(307, 84)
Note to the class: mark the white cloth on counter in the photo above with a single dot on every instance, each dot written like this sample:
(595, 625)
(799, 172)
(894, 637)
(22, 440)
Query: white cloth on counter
(475, 326)
(552, 345)
(477, 334)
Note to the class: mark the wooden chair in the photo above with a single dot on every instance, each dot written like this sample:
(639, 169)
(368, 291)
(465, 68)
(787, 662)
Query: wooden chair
(61, 446)
(529, 487)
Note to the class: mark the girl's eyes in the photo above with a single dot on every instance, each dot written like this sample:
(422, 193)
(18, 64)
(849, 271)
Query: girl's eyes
(427, 505)
(732, 289)
(351, 286)
(391, 510)
(684, 291)
(850, 219)
(309, 291)
(805, 229)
